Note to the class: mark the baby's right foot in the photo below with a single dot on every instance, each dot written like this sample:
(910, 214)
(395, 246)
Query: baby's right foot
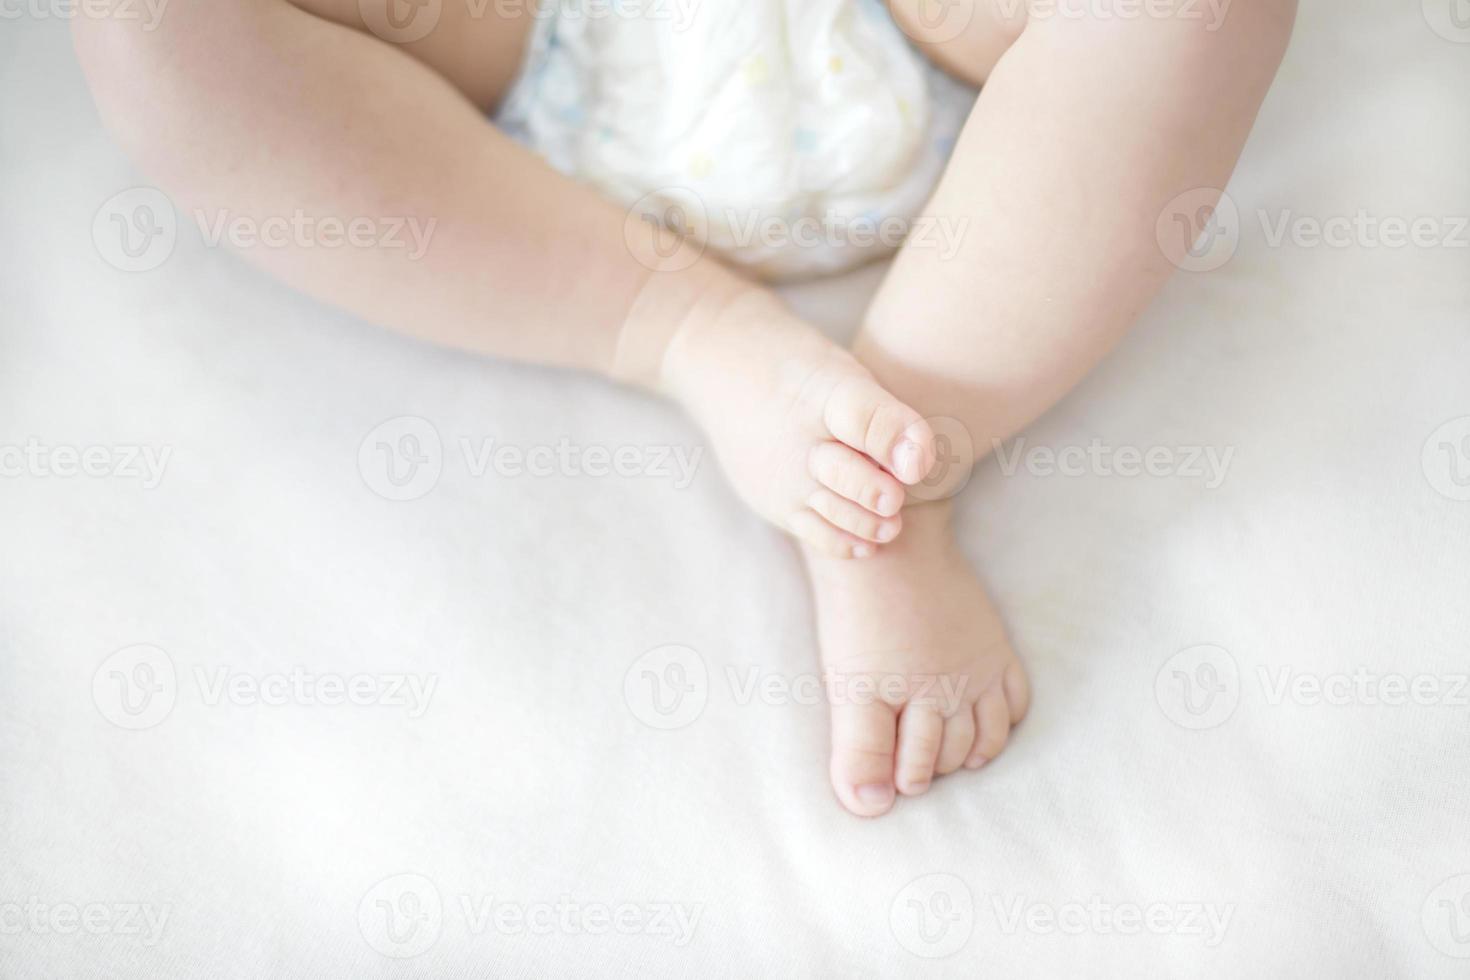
(806, 435)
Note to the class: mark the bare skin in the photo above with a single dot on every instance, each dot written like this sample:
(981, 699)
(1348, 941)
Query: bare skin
(524, 263)
(1084, 132)
(1086, 128)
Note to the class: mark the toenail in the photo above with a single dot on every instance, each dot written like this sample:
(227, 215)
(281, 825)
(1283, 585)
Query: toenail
(874, 794)
(906, 461)
(886, 505)
(861, 551)
(976, 762)
(887, 532)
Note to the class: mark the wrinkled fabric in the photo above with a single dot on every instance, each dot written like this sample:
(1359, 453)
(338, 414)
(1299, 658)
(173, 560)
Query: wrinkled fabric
(795, 137)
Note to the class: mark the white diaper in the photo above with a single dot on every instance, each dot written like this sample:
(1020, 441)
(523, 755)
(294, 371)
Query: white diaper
(794, 137)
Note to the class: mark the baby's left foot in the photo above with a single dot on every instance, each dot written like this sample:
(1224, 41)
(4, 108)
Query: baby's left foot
(920, 676)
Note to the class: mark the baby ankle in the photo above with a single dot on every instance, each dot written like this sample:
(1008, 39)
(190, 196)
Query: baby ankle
(668, 309)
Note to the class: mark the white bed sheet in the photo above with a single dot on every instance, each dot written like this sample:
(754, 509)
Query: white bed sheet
(1327, 840)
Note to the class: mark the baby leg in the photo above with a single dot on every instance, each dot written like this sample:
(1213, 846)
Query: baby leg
(264, 108)
(1087, 127)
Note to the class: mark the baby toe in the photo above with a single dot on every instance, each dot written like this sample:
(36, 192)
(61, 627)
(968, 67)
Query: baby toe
(959, 738)
(850, 474)
(920, 731)
(863, 738)
(822, 536)
(992, 728)
(1018, 691)
(852, 518)
(861, 413)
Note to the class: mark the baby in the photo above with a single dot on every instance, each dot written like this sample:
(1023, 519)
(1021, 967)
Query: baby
(1096, 119)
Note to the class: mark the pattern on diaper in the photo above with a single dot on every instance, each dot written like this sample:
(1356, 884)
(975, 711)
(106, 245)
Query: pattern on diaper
(770, 118)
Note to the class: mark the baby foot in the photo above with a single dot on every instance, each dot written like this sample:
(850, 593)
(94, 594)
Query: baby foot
(806, 435)
(920, 675)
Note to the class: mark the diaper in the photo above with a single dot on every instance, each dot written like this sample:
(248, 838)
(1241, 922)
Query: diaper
(794, 138)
